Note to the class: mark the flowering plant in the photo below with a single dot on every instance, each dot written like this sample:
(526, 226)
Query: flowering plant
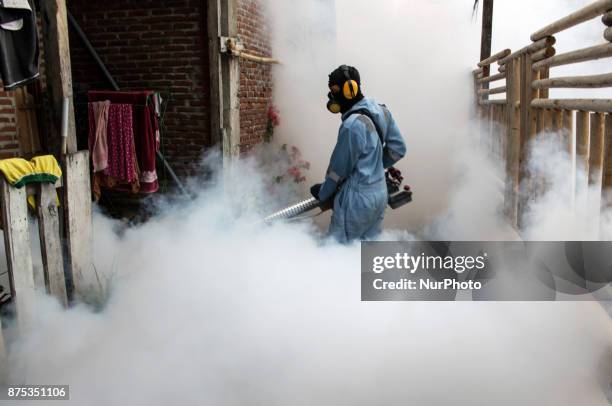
(273, 121)
(292, 157)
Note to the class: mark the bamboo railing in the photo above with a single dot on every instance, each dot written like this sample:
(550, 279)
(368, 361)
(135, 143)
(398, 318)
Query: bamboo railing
(582, 126)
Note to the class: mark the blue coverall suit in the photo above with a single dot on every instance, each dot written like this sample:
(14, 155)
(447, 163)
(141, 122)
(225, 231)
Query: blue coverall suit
(358, 166)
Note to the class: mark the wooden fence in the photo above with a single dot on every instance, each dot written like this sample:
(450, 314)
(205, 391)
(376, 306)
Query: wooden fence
(583, 126)
(76, 245)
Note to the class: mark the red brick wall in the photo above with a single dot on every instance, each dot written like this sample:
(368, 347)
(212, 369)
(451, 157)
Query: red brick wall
(9, 142)
(255, 78)
(150, 44)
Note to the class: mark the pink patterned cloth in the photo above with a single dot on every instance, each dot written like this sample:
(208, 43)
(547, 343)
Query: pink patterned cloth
(98, 147)
(122, 164)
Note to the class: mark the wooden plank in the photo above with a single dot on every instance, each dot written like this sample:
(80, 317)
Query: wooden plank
(529, 49)
(493, 78)
(494, 58)
(495, 90)
(493, 102)
(77, 198)
(27, 127)
(568, 132)
(543, 54)
(230, 82)
(513, 142)
(596, 148)
(214, 58)
(58, 67)
(581, 55)
(557, 125)
(32, 188)
(590, 81)
(50, 244)
(18, 252)
(582, 150)
(4, 365)
(527, 135)
(607, 165)
(595, 105)
(585, 14)
(567, 141)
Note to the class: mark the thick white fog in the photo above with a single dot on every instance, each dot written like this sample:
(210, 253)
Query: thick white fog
(207, 305)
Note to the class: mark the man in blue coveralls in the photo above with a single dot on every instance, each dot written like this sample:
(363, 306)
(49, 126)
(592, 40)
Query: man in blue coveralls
(369, 142)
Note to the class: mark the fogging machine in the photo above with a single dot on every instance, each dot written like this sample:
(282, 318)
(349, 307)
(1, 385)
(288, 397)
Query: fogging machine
(398, 197)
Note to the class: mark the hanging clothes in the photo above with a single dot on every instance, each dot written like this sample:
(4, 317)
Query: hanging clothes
(18, 43)
(145, 126)
(121, 172)
(98, 146)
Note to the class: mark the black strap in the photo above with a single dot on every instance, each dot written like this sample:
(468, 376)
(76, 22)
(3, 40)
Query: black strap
(368, 114)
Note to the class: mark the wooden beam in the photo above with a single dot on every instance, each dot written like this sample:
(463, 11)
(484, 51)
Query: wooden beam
(494, 58)
(4, 365)
(607, 167)
(590, 81)
(585, 14)
(50, 244)
(213, 14)
(230, 81)
(529, 49)
(581, 55)
(568, 132)
(527, 134)
(596, 149)
(511, 194)
(18, 252)
(596, 105)
(492, 78)
(582, 150)
(58, 67)
(495, 90)
(77, 206)
(486, 37)
(543, 54)
(493, 102)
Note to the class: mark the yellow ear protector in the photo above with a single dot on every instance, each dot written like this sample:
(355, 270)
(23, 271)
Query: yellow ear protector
(350, 89)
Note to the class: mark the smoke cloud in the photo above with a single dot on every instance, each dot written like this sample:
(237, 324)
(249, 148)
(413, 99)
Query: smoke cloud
(206, 305)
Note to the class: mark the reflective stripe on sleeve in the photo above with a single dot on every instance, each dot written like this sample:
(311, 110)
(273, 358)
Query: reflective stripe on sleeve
(333, 176)
(393, 155)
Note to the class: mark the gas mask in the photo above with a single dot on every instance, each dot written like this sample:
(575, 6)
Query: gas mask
(345, 90)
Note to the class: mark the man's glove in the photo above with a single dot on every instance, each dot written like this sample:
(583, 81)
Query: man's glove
(314, 191)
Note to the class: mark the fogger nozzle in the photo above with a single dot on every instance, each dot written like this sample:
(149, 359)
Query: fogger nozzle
(294, 211)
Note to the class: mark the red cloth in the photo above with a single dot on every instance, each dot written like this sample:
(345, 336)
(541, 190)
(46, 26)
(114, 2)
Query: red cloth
(144, 125)
(120, 138)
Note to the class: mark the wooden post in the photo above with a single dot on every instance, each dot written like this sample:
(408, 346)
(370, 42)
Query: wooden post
(225, 77)
(513, 78)
(18, 252)
(596, 149)
(607, 166)
(79, 224)
(77, 189)
(527, 133)
(582, 152)
(567, 139)
(214, 58)
(486, 35)
(3, 360)
(58, 68)
(50, 246)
